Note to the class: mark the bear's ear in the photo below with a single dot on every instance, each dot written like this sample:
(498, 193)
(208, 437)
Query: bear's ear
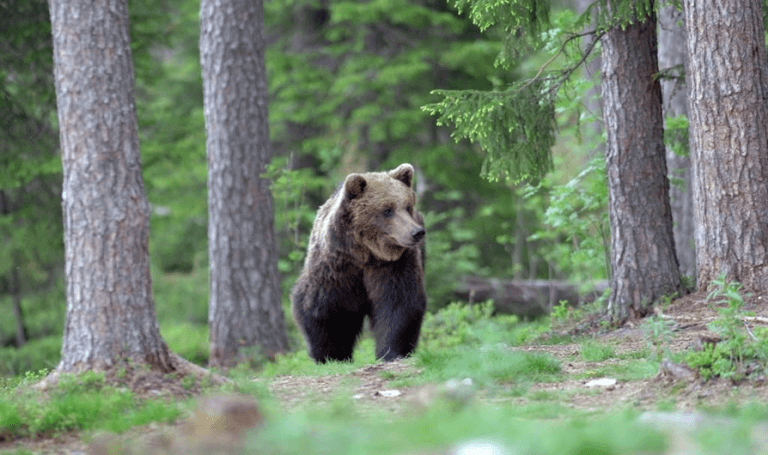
(404, 173)
(354, 185)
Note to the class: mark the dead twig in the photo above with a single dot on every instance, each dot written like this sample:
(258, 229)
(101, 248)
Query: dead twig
(754, 338)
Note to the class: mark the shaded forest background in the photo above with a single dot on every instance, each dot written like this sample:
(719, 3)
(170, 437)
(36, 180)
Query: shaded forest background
(348, 82)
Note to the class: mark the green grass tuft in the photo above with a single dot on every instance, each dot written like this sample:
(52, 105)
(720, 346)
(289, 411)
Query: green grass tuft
(78, 403)
(595, 351)
(486, 366)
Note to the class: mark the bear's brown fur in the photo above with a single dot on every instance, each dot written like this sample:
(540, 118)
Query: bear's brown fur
(365, 258)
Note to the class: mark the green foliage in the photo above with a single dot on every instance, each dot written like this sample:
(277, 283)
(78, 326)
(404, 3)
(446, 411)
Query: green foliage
(181, 298)
(190, 341)
(578, 214)
(676, 139)
(31, 229)
(451, 253)
(294, 214)
(515, 126)
(515, 130)
(42, 310)
(454, 325)
(560, 312)
(676, 134)
(740, 351)
(33, 356)
(473, 325)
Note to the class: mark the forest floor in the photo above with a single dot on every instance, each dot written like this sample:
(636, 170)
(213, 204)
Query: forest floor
(395, 389)
(689, 318)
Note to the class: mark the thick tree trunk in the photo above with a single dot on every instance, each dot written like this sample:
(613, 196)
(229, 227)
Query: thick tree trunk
(245, 308)
(672, 51)
(729, 139)
(643, 262)
(110, 311)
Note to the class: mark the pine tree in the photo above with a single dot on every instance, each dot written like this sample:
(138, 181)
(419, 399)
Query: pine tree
(729, 140)
(245, 307)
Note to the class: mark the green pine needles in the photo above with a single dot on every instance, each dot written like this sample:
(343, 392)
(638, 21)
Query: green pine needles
(514, 127)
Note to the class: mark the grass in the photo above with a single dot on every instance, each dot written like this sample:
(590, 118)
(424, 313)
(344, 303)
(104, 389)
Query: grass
(298, 363)
(629, 370)
(81, 402)
(442, 429)
(595, 351)
(490, 365)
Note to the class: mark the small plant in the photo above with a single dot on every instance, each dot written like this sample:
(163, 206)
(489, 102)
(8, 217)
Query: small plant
(740, 350)
(688, 282)
(658, 333)
(188, 382)
(560, 311)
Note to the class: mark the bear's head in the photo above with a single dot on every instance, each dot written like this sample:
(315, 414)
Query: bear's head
(381, 211)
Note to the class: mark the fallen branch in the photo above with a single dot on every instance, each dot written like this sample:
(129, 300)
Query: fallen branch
(526, 298)
(744, 319)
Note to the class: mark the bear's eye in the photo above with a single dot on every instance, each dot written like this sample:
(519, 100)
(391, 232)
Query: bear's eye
(387, 212)
(410, 209)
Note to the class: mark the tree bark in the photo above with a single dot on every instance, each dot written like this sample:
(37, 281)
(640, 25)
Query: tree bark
(110, 311)
(245, 307)
(672, 52)
(729, 139)
(643, 262)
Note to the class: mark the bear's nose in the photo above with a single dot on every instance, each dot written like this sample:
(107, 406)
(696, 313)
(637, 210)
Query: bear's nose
(418, 233)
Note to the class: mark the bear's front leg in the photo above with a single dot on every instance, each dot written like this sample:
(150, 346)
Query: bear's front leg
(398, 302)
(330, 317)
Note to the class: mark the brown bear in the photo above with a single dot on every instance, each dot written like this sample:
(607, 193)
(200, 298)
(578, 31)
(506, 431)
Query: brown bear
(365, 258)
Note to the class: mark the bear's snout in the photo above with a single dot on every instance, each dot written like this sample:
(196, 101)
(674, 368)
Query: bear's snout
(418, 233)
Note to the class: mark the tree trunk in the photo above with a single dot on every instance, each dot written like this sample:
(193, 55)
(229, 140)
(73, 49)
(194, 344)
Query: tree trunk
(245, 307)
(729, 139)
(672, 50)
(110, 311)
(643, 262)
(15, 290)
